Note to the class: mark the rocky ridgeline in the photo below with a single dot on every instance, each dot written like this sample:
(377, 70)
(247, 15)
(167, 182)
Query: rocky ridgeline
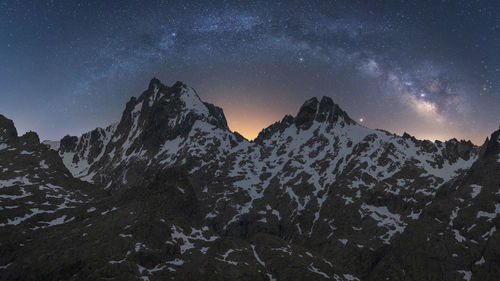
(169, 192)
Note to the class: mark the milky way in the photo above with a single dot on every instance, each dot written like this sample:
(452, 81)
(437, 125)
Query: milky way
(425, 67)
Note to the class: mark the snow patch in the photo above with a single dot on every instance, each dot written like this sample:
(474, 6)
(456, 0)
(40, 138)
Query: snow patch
(317, 271)
(467, 274)
(490, 216)
(385, 219)
(476, 189)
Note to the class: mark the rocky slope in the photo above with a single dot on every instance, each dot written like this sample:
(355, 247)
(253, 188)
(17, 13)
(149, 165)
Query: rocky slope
(176, 194)
(456, 236)
(37, 192)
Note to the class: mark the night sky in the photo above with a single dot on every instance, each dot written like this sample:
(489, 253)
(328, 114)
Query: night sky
(430, 68)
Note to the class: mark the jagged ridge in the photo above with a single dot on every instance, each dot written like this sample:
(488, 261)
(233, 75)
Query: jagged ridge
(332, 195)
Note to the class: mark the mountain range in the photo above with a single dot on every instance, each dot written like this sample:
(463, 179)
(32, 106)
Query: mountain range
(169, 192)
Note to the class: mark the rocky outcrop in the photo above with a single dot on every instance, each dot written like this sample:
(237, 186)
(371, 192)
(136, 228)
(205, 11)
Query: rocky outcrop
(37, 193)
(7, 130)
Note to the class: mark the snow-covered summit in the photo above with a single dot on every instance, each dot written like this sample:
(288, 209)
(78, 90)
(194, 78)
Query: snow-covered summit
(159, 116)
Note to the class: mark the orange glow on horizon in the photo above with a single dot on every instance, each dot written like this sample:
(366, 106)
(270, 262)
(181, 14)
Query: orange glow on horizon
(249, 124)
(250, 116)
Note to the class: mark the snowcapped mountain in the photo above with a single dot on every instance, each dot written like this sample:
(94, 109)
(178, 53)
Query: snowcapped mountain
(176, 194)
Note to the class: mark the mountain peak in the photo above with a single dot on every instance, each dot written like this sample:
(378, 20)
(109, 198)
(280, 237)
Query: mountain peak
(68, 143)
(307, 112)
(154, 83)
(179, 85)
(492, 144)
(321, 111)
(7, 129)
(218, 113)
(185, 99)
(163, 113)
(324, 110)
(30, 138)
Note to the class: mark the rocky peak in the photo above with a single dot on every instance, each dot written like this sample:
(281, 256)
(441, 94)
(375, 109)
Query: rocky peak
(407, 136)
(277, 126)
(8, 134)
(160, 114)
(68, 143)
(154, 83)
(492, 145)
(462, 149)
(452, 149)
(7, 130)
(307, 113)
(321, 111)
(30, 139)
(312, 110)
(218, 113)
(171, 104)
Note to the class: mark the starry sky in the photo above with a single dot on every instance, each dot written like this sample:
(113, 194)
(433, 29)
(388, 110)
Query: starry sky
(429, 68)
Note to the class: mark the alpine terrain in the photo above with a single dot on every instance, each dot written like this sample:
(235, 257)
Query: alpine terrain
(170, 193)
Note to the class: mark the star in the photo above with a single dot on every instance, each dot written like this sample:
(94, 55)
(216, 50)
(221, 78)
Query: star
(361, 120)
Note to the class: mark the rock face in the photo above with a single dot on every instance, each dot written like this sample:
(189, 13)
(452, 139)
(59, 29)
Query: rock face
(8, 132)
(37, 193)
(456, 236)
(170, 192)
